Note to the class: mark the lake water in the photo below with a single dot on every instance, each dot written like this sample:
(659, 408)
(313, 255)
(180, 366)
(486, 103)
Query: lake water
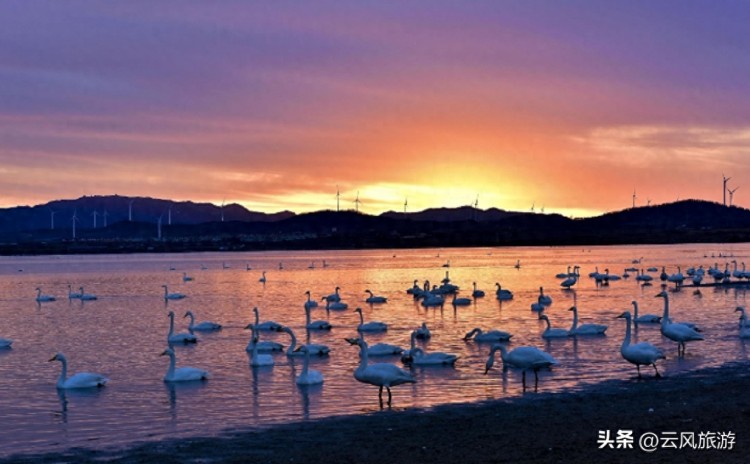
(123, 333)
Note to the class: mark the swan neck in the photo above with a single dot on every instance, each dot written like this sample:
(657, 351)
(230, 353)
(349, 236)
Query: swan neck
(307, 315)
(171, 324)
(665, 318)
(363, 357)
(172, 362)
(293, 345)
(414, 340)
(575, 319)
(64, 373)
(192, 320)
(635, 309)
(626, 341)
(361, 318)
(306, 364)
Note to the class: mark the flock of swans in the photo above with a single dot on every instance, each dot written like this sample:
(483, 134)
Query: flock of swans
(386, 375)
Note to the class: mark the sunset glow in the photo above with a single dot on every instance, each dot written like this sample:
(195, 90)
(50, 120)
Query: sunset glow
(566, 106)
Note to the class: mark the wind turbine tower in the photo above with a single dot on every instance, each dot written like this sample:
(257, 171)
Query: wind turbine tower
(95, 214)
(52, 219)
(130, 211)
(222, 209)
(158, 227)
(338, 196)
(406, 203)
(357, 202)
(169, 216)
(634, 197)
(74, 219)
(105, 218)
(731, 194)
(726, 179)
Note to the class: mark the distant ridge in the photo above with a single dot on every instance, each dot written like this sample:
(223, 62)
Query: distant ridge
(198, 226)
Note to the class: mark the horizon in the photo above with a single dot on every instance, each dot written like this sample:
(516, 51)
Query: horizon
(576, 108)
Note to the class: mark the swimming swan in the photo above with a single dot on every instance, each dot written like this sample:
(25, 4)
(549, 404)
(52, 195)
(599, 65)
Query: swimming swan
(42, 298)
(79, 380)
(179, 337)
(183, 374)
(645, 318)
(308, 376)
(373, 326)
(585, 329)
(490, 336)
(205, 326)
(267, 325)
(551, 332)
(172, 296)
(317, 350)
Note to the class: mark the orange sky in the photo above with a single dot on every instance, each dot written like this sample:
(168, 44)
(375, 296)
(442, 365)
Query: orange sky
(567, 107)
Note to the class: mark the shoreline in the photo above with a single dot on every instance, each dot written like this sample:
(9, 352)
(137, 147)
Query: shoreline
(545, 427)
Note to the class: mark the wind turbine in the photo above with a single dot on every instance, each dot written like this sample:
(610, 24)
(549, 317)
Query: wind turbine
(52, 213)
(726, 179)
(74, 219)
(95, 214)
(130, 211)
(634, 197)
(158, 227)
(357, 202)
(406, 202)
(731, 194)
(169, 216)
(532, 206)
(105, 218)
(222, 209)
(338, 195)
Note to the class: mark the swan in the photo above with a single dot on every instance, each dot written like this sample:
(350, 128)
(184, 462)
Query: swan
(42, 298)
(538, 306)
(334, 297)
(380, 374)
(518, 264)
(502, 294)
(640, 354)
(308, 376)
(248, 267)
(86, 296)
(375, 299)
(335, 305)
(5, 342)
(79, 380)
(264, 346)
(71, 295)
(171, 296)
(383, 349)
(423, 332)
(262, 278)
(257, 359)
(310, 303)
(522, 357)
(743, 318)
(431, 300)
(179, 337)
(415, 289)
(551, 332)
(186, 277)
(477, 293)
(585, 329)
(267, 325)
(489, 336)
(564, 275)
(644, 319)
(183, 374)
(224, 265)
(316, 325)
(318, 350)
(373, 326)
(461, 301)
(544, 299)
(417, 357)
(205, 326)
(677, 332)
(312, 265)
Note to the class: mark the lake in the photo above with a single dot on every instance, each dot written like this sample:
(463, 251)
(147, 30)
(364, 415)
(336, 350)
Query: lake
(123, 333)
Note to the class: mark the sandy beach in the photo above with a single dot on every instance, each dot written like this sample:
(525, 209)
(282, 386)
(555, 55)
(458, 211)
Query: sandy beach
(550, 427)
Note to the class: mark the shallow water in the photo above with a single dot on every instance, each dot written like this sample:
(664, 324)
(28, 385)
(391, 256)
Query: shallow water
(123, 333)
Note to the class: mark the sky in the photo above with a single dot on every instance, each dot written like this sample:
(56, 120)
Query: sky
(567, 106)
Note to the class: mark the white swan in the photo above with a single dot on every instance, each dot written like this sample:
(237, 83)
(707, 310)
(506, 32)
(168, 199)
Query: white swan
(172, 296)
(373, 326)
(538, 306)
(335, 305)
(265, 346)
(502, 294)
(645, 318)
(257, 359)
(179, 337)
(333, 297)
(315, 325)
(551, 332)
(415, 289)
(677, 332)
(205, 326)
(461, 301)
(476, 293)
(308, 376)
(522, 357)
(546, 300)
(489, 336)
(432, 300)
(423, 332)
(417, 356)
(262, 278)
(186, 277)
(43, 298)
(86, 296)
(79, 380)
(71, 295)
(743, 317)
(183, 374)
(375, 299)
(310, 303)
(380, 374)
(640, 354)
(317, 350)
(266, 325)
(585, 329)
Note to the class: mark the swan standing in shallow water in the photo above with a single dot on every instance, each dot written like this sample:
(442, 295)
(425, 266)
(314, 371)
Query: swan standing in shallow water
(551, 332)
(490, 336)
(373, 326)
(42, 298)
(308, 376)
(205, 326)
(645, 318)
(178, 337)
(640, 354)
(267, 325)
(317, 350)
(79, 380)
(380, 374)
(262, 278)
(183, 374)
(674, 331)
(172, 296)
(264, 346)
(585, 329)
(523, 357)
